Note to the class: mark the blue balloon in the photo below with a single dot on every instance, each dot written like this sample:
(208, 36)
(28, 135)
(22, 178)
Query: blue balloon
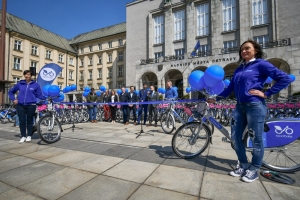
(159, 90)
(217, 89)
(226, 82)
(175, 88)
(213, 75)
(163, 90)
(102, 88)
(45, 89)
(61, 97)
(269, 80)
(67, 89)
(292, 77)
(188, 90)
(73, 87)
(137, 92)
(87, 89)
(119, 91)
(53, 90)
(195, 80)
(98, 93)
(64, 90)
(85, 94)
(126, 90)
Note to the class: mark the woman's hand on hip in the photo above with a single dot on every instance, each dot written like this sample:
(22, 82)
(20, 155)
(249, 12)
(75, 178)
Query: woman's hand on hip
(16, 102)
(257, 93)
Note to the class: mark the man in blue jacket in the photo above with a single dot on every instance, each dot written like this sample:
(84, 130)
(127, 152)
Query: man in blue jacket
(171, 93)
(143, 98)
(132, 100)
(124, 98)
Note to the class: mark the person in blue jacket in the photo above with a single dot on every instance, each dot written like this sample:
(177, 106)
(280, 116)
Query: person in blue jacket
(29, 91)
(143, 97)
(247, 84)
(171, 93)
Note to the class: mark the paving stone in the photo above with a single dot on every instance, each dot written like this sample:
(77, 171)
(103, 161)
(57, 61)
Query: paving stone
(161, 146)
(146, 192)
(132, 170)
(5, 155)
(281, 191)
(151, 156)
(97, 163)
(14, 162)
(121, 152)
(28, 173)
(69, 158)
(224, 183)
(4, 187)
(75, 144)
(58, 184)
(28, 149)
(97, 148)
(172, 178)
(15, 145)
(47, 153)
(104, 188)
(17, 194)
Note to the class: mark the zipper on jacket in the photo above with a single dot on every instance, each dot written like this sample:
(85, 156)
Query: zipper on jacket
(26, 93)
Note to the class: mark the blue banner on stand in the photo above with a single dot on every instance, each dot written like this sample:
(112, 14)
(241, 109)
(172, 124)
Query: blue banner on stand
(47, 74)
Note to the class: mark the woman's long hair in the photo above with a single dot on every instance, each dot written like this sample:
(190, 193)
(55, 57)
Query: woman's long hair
(257, 47)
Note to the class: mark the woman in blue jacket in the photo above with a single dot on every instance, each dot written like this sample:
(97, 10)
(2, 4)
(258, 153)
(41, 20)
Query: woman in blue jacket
(247, 84)
(29, 91)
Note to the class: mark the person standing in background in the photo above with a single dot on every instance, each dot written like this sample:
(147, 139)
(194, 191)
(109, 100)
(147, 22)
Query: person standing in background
(105, 99)
(29, 91)
(143, 98)
(132, 100)
(113, 98)
(92, 98)
(171, 93)
(153, 96)
(124, 98)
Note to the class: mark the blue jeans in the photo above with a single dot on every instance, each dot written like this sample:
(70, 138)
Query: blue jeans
(252, 114)
(125, 114)
(25, 114)
(93, 113)
(145, 107)
(16, 118)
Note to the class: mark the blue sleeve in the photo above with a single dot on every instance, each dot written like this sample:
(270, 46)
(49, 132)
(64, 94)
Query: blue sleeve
(281, 78)
(39, 93)
(12, 92)
(175, 93)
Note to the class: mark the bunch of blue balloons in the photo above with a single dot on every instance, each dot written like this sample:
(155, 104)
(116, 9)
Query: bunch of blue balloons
(161, 90)
(53, 91)
(69, 88)
(211, 80)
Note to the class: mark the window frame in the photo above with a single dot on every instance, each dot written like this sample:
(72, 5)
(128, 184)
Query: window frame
(48, 53)
(264, 15)
(231, 23)
(120, 72)
(99, 73)
(18, 64)
(36, 50)
(158, 27)
(179, 24)
(70, 74)
(18, 45)
(206, 19)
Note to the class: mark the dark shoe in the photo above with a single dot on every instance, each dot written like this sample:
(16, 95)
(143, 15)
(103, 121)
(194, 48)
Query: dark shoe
(126, 123)
(92, 121)
(149, 125)
(134, 123)
(137, 124)
(95, 121)
(155, 125)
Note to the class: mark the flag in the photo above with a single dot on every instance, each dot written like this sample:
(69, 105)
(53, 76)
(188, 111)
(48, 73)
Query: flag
(47, 74)
(193, 54)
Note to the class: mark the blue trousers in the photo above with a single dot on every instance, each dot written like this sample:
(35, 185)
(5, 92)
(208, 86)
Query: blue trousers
(93, 113)
(125, 113)
(252, 114)
(141, 108)
(25, 114)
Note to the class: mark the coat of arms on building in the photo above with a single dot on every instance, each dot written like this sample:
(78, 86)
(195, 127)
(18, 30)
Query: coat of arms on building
(159, 67)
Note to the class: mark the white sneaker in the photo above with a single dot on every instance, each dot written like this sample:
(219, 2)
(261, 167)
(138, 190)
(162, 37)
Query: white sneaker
(28, 139)
(22, 140)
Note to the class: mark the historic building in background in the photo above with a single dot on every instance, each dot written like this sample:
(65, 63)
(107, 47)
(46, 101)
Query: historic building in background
(161, 34)
(89, 59)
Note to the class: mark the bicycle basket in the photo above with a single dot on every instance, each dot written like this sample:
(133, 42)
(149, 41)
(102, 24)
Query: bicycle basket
(200, 107)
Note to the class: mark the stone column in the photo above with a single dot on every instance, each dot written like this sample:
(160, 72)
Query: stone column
(185, 82)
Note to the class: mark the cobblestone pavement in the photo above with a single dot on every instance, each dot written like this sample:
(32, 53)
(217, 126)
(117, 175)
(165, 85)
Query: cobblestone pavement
(106, 161)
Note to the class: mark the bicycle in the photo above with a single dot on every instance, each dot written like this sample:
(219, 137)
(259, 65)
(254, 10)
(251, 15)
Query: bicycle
(281, 142)
(48, 126)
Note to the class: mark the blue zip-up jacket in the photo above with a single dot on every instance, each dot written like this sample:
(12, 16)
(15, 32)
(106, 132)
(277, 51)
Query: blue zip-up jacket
(253, 76)
(143, 94)
(171, 93)
(28, 93)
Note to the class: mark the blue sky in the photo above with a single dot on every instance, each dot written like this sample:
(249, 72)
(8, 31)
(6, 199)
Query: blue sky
(69, 18)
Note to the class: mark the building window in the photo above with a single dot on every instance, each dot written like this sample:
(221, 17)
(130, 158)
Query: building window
(109, 58)
(33, 64)
(48, 54)
(157, 56)
(99, 46)
(229, 15)
(179, 25)
(120, 42)
(204, 50)
(100, 59)
(158, 29)
(262, 40)
(99, 73)
(120, 56)
(81, 87)
(60, 86)
(91, 61)
(18, 45)
(34, 50)
(71, 61)
(109, 85)
(16, 79)
(60, 75)
(179, 54)
(203, 19)
(81, 75)
(17, 63)
(90, 74)
(230, 46)
(120, 71)
(71, 75)
(109, 72)
(120, 84)
(81, 62)
(82, 50)
(259, 12)
(109, 44)
(91, 48)
(60, 58)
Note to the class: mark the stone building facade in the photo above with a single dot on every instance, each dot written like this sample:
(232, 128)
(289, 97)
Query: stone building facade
(161, 34)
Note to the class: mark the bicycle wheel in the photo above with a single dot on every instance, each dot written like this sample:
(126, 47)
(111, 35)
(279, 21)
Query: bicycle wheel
(281, 114)
(48, 130)
(186, 144)
(167, 123)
